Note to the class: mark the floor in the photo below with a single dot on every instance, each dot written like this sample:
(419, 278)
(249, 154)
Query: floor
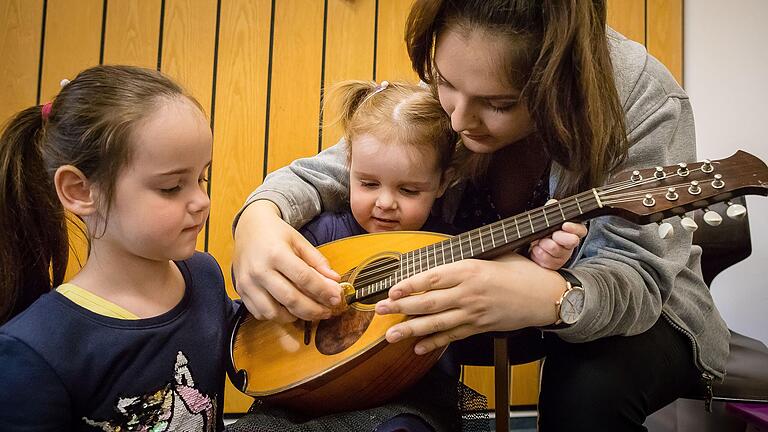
(520, 421)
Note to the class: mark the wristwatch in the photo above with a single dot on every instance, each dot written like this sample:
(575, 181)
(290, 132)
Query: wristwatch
(571, 303)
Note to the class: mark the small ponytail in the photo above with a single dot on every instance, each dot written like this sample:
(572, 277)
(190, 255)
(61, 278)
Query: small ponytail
(346, 98)
(33, 230)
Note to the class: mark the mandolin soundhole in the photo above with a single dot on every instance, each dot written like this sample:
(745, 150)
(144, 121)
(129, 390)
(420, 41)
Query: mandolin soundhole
(336, 334)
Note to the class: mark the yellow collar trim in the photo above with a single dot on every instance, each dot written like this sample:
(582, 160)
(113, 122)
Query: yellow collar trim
(94, 303)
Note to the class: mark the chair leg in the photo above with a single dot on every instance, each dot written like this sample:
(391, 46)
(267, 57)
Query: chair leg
(501, 382)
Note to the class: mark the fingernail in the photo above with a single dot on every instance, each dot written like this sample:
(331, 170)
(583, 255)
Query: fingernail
(334, 300)
(395, 294)
(419, 350)
(395, 336)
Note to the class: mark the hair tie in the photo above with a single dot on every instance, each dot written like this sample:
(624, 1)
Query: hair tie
(380, 87)
(46, 110)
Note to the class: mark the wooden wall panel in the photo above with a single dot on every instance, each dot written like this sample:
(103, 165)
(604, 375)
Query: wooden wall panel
(392, 62)
(523, 382)
(241, 101)
(665, 34)
(21, 24)
(628, 18)
(294, 108)
(189, 36)
(132, 32)
(239, 129)
(349, 43)
(72, 41)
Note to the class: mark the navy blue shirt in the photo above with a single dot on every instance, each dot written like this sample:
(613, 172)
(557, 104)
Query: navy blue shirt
(328, 226)
(65, 368)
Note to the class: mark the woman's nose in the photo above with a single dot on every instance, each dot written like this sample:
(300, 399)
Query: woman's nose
(463, 117)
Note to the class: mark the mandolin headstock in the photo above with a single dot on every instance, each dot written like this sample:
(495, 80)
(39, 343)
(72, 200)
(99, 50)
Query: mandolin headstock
(649, 195)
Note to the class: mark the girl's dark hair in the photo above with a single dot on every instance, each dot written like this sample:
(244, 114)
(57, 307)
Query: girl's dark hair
(88, 125)
(559, 57)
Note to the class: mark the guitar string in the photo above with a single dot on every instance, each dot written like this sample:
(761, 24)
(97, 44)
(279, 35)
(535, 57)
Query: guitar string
(388, 268)
(379, 272)
(465, 239)
(373, 274)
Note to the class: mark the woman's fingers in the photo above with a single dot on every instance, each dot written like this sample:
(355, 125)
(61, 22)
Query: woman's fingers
(304, 278)
(440, 277)
(575, 228)
(314, 258)
(263, 306)
(442, 339)
(278, 273)
(423, 325)
(298, 304)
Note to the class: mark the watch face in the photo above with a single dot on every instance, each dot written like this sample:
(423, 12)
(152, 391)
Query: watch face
(572, 305)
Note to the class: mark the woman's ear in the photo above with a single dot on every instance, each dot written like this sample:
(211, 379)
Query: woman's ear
(75, 192)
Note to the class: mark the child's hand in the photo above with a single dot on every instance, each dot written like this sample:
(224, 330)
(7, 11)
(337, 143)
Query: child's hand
(554, 251)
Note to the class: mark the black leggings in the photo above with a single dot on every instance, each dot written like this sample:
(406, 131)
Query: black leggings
(616, 382)
(609, 384)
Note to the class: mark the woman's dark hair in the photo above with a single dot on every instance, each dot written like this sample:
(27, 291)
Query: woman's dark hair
(88, 126)
(559, 57)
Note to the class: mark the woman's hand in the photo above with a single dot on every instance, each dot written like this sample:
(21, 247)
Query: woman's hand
(278, 274)
(457, 300)
(554, 251)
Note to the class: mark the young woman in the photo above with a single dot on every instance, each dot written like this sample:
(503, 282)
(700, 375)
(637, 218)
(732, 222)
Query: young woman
(548, 101)
(136, 339)
(399, 153)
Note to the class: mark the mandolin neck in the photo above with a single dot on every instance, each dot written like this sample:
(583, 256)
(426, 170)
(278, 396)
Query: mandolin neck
(489, 240)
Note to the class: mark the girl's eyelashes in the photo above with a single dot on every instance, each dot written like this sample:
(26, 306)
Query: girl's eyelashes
(172, 190)
(409, 191)
(180, 186)
(368, 184)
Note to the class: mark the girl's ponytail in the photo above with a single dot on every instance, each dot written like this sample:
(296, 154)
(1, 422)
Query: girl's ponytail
(33, 230)
(346, 97)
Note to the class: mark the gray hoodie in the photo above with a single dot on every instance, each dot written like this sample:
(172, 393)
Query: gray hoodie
(631, 276)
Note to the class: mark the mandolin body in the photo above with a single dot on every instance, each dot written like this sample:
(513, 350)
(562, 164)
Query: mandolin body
(343, 363)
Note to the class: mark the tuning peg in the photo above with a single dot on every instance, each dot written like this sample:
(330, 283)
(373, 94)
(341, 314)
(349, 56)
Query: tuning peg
(666, 230)
(712, 218)
(718, 182)
(689, 224)
(736, 211)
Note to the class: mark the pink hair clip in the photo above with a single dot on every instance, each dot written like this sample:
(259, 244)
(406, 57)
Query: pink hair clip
(46, 110)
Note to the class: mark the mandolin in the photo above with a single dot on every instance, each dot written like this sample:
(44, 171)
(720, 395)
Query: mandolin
(345, 363)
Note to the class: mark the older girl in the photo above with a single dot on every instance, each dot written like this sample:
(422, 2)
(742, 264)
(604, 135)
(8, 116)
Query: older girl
(136, 339)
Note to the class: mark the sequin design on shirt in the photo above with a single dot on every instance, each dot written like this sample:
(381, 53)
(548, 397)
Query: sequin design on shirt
(175, 407)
